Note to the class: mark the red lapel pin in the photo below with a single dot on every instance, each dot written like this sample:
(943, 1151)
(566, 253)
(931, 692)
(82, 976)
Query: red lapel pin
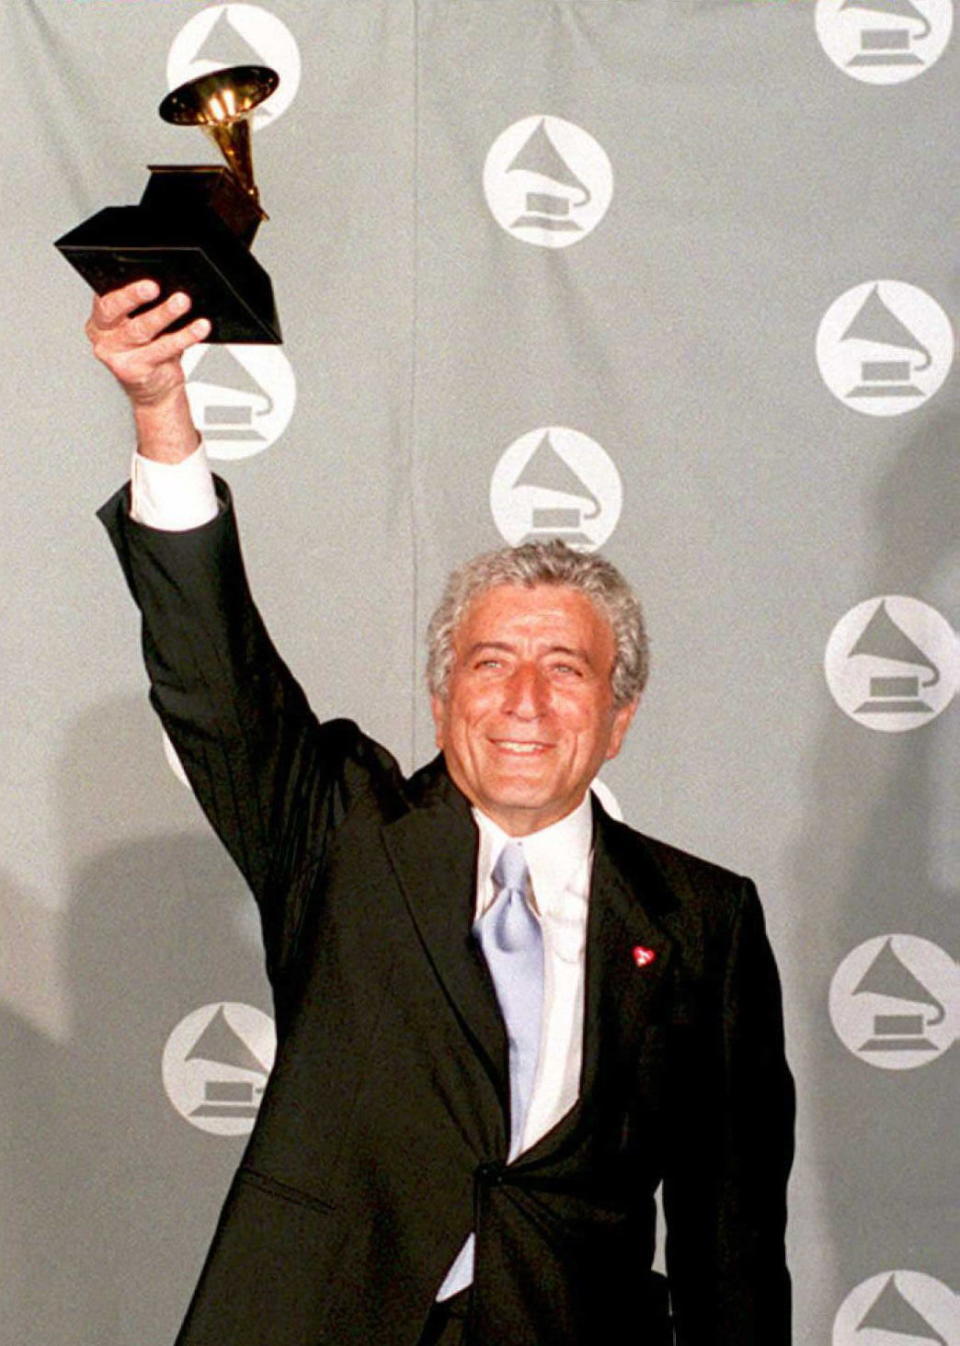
(643, 956)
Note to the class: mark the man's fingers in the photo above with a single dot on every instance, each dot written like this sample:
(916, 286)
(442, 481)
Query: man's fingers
(144, 369)
(111, 309)
(110, 326)
(146, 326)
(136, 347)
(175, 343)
(152, 367)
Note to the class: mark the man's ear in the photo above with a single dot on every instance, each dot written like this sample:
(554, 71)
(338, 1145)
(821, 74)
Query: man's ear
(438, 708)
(621, 723)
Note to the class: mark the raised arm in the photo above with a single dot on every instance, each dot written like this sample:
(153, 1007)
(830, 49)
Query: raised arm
(273, 782)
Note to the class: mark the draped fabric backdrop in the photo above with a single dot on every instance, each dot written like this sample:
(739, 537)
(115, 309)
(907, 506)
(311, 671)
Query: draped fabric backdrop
(676, 278)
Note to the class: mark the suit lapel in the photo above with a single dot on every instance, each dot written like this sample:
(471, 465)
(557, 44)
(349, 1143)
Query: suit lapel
(433, 850)
(623, 981)
(628, 894)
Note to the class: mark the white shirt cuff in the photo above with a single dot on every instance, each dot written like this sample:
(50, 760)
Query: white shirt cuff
(172, 496)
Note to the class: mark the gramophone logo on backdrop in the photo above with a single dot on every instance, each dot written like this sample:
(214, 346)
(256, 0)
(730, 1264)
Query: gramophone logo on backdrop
(899, 1308)
(555, 482)
(225, 35)
(215, 1066)
(241, 397)
(895, 1001)
(884, 41)
(547, 181)
(884, 347)
(893, 663)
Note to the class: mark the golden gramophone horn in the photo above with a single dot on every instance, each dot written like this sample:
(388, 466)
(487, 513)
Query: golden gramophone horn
(221, 104)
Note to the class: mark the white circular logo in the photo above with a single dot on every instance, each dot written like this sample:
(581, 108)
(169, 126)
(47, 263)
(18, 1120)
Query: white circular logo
(884, 41)
(241, 396)
(899, 1307)
(225, 35)
(607, 798)
(892, 663)
(215, 1066)
(547, 181)
(555, 482)
(895, 1001)
(884, 347)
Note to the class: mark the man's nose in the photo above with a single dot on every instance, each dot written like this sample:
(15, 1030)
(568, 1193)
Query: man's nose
(525, 693)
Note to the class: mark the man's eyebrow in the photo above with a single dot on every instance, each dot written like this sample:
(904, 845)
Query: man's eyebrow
(479, 645)
(571, 650)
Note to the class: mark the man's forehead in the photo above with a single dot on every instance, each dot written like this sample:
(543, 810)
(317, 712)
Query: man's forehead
(517, 605)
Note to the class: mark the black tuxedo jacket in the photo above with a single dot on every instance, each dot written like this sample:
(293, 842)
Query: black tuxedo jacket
(382, 1137)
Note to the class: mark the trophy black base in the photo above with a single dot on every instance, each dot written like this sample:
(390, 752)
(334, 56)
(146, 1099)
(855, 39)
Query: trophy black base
(189, 232)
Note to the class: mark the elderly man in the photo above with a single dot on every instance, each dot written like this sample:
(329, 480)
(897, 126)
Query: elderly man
(503, 1019)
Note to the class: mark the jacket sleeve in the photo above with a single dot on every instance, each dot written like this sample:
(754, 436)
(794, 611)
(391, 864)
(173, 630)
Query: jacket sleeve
(730, 1153)
(272, 780)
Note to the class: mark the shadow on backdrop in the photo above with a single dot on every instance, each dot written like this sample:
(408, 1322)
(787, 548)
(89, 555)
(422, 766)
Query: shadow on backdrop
(874, 858)
(115, 1194)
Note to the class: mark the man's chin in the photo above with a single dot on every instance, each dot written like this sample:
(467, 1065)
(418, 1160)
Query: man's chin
(522, 808)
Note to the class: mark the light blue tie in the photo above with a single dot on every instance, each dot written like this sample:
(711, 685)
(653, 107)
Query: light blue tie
(512, 942)
(510, 937)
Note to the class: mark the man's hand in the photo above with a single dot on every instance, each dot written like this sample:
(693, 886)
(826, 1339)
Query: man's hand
(145, 359)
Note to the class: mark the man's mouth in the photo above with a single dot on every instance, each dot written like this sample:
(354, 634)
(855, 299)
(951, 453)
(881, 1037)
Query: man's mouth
(520, 747)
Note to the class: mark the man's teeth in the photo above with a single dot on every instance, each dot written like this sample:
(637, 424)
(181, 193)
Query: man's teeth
(521, 747)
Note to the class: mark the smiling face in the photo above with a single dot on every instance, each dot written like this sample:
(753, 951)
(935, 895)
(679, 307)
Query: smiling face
(528, 716)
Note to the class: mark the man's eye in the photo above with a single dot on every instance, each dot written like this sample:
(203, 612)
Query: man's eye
(567, 670)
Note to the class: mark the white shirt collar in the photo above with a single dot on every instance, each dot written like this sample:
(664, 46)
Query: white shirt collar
(557, 857)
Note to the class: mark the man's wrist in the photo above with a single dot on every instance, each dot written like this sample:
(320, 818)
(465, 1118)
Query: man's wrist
(165, 429)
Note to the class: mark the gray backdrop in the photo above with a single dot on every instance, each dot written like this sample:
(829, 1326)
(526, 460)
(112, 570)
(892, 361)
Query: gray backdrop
(677, 275)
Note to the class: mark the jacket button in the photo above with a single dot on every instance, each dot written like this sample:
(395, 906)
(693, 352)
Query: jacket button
(490, 1173)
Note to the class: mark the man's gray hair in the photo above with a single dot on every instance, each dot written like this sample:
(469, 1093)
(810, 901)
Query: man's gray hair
(528, 565)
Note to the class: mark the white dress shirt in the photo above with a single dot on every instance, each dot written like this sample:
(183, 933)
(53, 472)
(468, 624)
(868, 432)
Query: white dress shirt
(558, 858)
